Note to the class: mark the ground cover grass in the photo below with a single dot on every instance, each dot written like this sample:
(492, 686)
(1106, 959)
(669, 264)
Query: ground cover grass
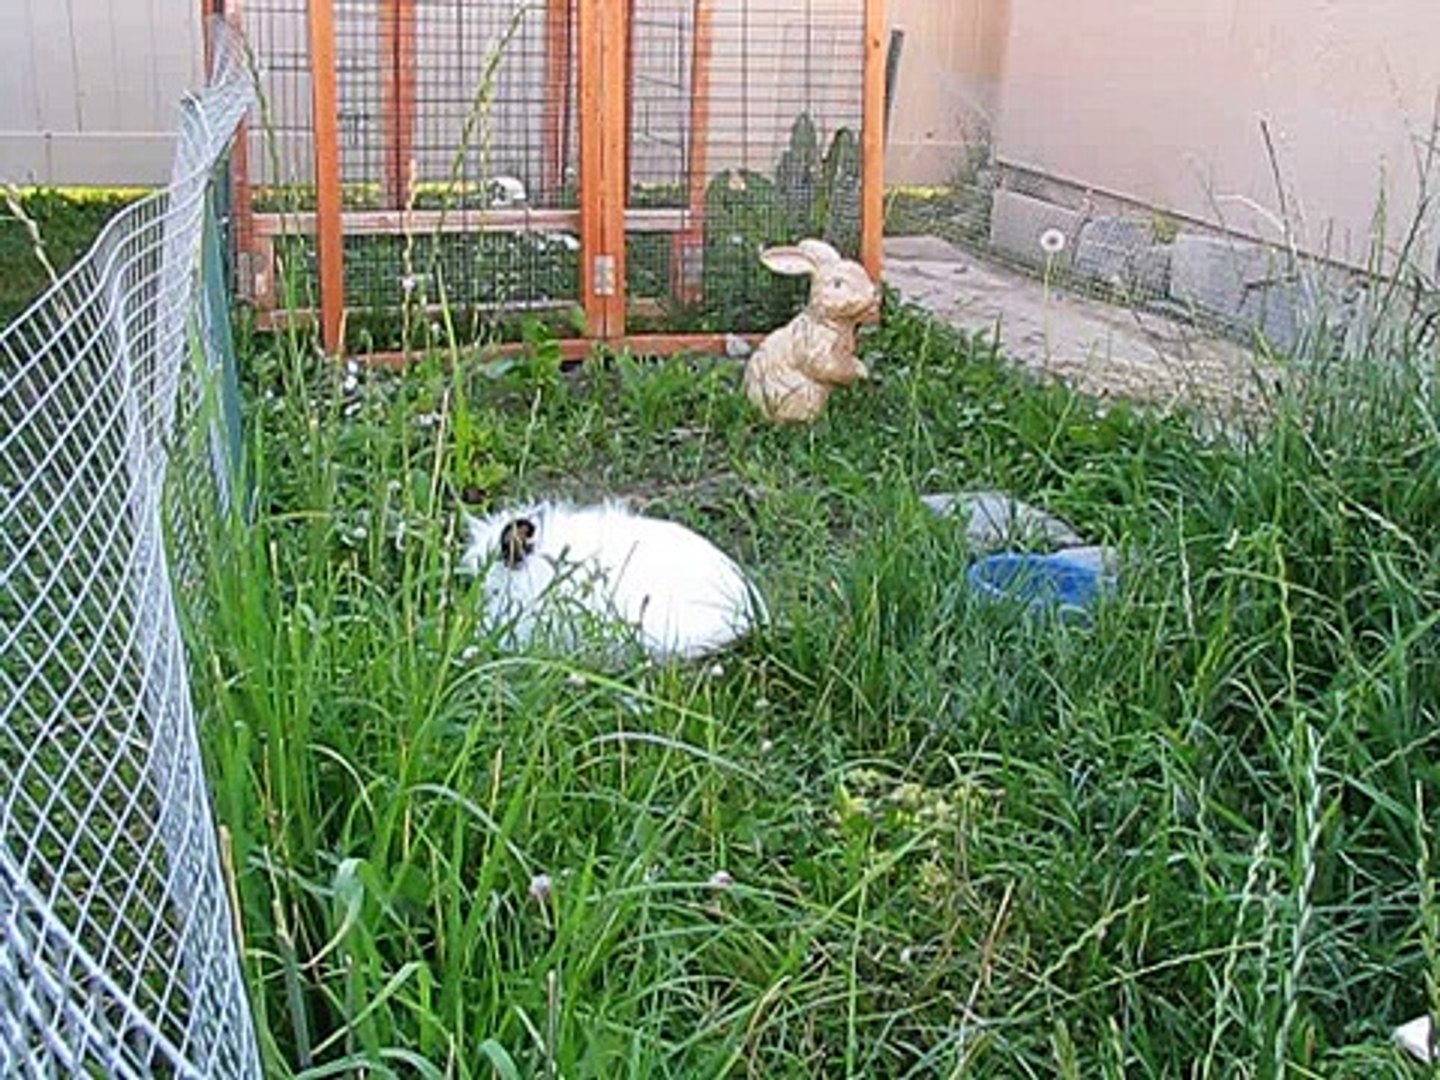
(66, 223)
(898, 833)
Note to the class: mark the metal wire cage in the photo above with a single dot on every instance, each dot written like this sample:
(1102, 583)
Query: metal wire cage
(610, 168)
(118, 952)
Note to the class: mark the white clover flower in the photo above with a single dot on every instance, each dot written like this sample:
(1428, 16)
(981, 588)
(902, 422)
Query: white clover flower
(541, 886)
(721, 880)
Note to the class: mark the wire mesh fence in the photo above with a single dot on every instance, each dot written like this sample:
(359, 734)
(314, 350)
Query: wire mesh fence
(118, 948)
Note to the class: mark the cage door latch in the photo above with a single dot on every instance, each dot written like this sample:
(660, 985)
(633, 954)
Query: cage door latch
(604, 275)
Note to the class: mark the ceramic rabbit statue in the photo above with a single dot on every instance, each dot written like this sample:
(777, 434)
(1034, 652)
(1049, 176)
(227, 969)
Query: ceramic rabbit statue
(790, 375)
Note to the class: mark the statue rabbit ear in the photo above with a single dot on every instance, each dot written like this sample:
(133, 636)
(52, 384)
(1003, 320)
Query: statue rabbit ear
(789, 260)
(820, 251)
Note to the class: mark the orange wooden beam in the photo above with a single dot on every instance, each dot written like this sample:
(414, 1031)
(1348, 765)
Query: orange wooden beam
(397, 98)
(687, 250)
(602, 33)
(872, 143)
(557, 98)
(629, 100)
(394, 222)
(584, 348)
(327, 174)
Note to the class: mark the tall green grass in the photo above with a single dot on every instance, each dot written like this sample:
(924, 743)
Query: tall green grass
(898, 834)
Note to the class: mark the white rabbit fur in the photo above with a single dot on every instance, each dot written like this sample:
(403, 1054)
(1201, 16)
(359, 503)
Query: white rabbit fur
(792, 372)
(589, 573)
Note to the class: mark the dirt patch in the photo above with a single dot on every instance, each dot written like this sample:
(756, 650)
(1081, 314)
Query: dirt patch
(1103, 350)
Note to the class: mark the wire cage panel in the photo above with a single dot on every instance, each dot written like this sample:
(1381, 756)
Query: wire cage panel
(459, 142)
(758, 138)
(456, 150)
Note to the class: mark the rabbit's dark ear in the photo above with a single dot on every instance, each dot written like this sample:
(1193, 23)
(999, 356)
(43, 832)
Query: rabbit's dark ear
(517, 541)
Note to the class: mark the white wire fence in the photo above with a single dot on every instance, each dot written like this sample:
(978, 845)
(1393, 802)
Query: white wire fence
(118, 949)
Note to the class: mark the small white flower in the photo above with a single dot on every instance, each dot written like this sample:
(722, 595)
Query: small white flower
(575, 679)
(767, 745)
(721, 880)
(467, 654)
(907, 956)
(540, 887)
(761, 704)
(1417, 1039)
(1052, 241)
(716, 671)
(426, 420)
(407, 283)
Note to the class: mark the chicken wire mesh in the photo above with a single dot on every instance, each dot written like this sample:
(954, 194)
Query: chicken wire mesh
(459, 137)
(118, 948)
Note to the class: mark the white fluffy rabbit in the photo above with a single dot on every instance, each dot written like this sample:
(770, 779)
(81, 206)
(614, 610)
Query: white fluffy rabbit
(567, 576)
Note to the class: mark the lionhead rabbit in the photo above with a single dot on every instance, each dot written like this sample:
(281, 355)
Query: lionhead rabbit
(790, 376)
(566, 577)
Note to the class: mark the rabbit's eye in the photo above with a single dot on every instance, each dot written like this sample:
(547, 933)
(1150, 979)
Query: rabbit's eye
(517, 540)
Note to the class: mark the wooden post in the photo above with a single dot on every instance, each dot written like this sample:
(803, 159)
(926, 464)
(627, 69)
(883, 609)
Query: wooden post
(602, 33)
(687, 269)
(557, 98)
(329, 238)
(872, 146)
(629, 6)
(397, 98)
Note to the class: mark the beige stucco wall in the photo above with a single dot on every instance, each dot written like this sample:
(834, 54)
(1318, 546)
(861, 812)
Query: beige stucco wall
(90, 89)
(1163, 102)
(948, 88)
(1156, 101)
